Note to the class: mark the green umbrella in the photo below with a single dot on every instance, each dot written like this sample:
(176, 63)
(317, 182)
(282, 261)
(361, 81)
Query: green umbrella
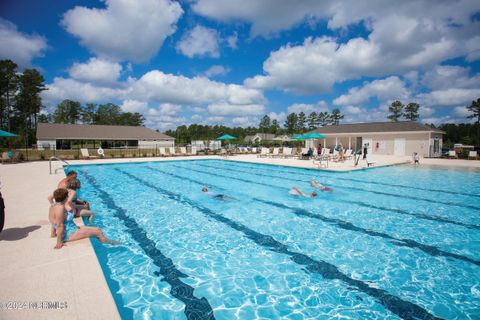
(226, 137)
(7, 134)
(298, 137)
(314, 135)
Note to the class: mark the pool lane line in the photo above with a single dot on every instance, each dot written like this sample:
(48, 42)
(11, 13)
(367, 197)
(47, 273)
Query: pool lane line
(433, 251)
(363, 204)
(315, 172)
(352, 188)
(402, 308)
(195, 308)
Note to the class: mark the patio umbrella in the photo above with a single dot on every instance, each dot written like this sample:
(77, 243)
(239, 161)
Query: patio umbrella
(7, 134)
(314, 135)
(226, 137)
(298, 137)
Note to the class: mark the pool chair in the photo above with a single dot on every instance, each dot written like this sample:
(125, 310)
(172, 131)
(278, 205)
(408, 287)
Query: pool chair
(162, 152)
(7, 157)
(287, 152)
(86, 155)
(334, 155)
(254, 150)
(452, 154)
(369, 161)
(275, 153)
(224, 153)
(473, 154)
(172, 152)
(194, 151)
(264, 153)
(348, 154)
(183, 151)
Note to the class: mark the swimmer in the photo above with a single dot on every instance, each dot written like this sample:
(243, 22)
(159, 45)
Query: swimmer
(320, 186)
(215, 195)
(295, 191)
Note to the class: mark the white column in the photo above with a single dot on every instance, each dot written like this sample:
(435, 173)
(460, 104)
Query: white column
(325, 143)
(336, 141)
(349, 142)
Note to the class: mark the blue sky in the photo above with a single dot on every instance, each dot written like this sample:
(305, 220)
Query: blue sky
(231, 62)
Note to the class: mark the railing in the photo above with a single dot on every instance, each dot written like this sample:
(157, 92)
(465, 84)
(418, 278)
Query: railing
(55, 158)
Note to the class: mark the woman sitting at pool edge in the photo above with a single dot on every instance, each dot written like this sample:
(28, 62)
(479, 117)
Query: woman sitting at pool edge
(64, 225)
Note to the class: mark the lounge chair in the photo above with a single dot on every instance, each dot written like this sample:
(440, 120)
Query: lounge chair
(287, 152)
(369, 160)
(254, 150)
(194, 151)
(172, 151)
(334, 155)
(85, 154)
(275, 153)
(473, 154)
(223, 152)
(7, 157)
(264, 153)
(162, 152)
(348, 154)
(452, 154)
(183, 151)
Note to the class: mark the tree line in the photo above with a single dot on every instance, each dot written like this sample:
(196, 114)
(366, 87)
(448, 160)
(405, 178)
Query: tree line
(299, 123)
(398, 110)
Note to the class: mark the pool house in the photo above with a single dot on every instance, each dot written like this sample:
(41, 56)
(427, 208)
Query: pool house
(73, 136)
(387, 138)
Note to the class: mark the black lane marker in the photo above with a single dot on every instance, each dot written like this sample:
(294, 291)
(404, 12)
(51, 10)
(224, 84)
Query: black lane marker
(402, 308)
(359, 203)
(342, 224)
(352, 188)
(195, 308)
(245, 165)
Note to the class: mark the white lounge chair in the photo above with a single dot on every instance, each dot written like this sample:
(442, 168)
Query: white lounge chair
(172, 151)
(348, 154)
(275, 153)
(86, 155)
(162, 152)
(452, 154)
(287, 152)
(194, 151)
(254, 150)
(369, 161)
(264, 153)
(473, 154)
(223, 152)
(183, 151)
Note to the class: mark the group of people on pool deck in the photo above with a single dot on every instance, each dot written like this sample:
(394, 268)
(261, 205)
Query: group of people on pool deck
(295, 191)
(64, 207)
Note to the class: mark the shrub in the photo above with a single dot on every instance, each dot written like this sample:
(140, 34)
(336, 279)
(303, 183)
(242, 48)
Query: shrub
(42, 156)
(144, 155)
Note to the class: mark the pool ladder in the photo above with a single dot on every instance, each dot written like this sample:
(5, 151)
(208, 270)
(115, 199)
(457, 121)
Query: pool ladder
(65, 164)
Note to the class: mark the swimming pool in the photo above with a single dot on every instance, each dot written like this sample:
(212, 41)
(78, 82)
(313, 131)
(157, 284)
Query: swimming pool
(388, 243)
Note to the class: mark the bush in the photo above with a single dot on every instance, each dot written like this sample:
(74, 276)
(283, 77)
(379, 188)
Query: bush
(112, 155)
(122, 155)
(42, 156)
(75, 156)
(144, 155)
(463, 154)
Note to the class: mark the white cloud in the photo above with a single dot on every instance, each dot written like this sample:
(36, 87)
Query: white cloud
(449, 97)
(232, 41)
(170, 109)
(126, 29)
(320, 106)
(216, 70)
(226, 109)
(20, 47)
(244, 122)
(461, 112)
(355, 114)
(134, 106)
(445, 77)
(96, 71)
(199, 41)
(391, 88)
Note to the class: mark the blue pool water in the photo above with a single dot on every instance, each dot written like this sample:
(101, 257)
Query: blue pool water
(388, 243)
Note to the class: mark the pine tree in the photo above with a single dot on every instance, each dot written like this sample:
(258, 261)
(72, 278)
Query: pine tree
(264, 125)
(301, 122)
(312, 121)
(336, 116)
(396, 108)
(474, 108)
(411, 111)
(291, 122)
(274, 127)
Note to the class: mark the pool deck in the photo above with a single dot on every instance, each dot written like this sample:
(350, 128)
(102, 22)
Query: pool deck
(32, 271)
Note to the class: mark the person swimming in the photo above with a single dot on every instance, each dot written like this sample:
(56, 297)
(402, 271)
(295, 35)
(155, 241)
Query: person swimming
(320, 186)
(295, 191)
(215, 195)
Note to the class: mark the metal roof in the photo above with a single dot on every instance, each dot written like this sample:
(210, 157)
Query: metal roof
(47, 131)
(401, 126)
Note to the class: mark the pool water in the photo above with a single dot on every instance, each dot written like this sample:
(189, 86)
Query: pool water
(388, 243)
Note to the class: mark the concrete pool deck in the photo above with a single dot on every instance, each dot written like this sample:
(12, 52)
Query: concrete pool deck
(32, 271)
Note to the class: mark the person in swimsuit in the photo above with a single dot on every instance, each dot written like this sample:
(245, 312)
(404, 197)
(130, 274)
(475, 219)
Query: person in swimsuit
(215, 195)
(66, 229)
(63, 184)
(80, 207)
(295, 191)
(320, 186)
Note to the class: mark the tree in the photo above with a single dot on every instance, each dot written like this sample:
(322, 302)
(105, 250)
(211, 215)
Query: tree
(323, 119)
(44, 118)
(396, 108)
(8, 88)
(312, 121)
(88, 113)
(474, 108)
(264, 124)
(67, 111)
(274, 127)
(411, 111)
(131, 119)
(291, 122)
(301, 122)
(336, 117)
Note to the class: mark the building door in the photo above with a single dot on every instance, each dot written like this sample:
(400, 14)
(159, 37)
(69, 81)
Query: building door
(399, 147)
(358, 144)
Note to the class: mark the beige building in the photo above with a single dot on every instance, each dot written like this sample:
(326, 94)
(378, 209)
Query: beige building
(391, 138)
(67, 136)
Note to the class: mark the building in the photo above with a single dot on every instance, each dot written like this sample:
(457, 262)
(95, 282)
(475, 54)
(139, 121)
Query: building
(391, 138)
(261, 137)
(70, 136)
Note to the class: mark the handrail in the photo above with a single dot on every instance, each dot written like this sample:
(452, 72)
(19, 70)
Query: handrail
(55, 158)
